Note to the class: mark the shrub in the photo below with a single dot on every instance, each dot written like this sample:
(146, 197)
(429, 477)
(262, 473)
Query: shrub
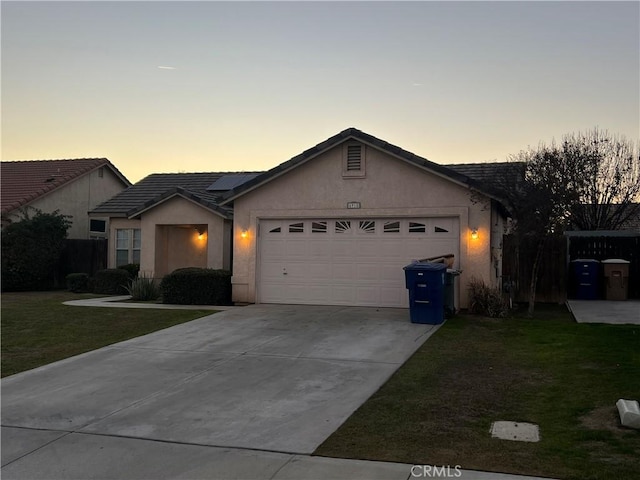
(31, 249)
(112, 281)
(143, 288)
(486, 300)
(197, 286)
(132, 268)
(77, 282)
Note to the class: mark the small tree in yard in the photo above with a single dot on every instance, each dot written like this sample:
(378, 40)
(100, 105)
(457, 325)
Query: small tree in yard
(554, 183)
(31, 249)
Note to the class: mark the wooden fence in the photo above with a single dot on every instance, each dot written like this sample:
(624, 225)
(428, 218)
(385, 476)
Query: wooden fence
(81, 256)
(517, 265)
(555, 278)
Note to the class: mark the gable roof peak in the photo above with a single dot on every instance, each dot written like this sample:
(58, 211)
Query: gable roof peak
(352, 132)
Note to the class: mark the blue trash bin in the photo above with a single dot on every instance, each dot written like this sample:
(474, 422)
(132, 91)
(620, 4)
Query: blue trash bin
(586, 272)
(426, 282)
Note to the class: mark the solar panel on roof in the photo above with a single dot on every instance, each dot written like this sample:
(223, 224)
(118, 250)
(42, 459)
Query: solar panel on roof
(231, 180)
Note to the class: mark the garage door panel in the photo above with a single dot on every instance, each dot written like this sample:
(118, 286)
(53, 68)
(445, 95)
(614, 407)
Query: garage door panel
(367, 295)
(319, 249)
(343, 248)
(296, 249)
(347, 262)
(392, 295)
(271, 271)
(342, 295)
(368, 273)
(314, 272)
(368, 248)
(343, 271)
(273, 249)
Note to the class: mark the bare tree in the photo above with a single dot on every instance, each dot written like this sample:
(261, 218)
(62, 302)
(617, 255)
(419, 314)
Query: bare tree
(609, 179)
(590, 181)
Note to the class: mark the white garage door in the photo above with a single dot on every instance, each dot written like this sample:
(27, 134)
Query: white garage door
(347, 261)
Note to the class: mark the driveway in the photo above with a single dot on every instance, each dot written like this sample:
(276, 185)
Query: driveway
(271, 378)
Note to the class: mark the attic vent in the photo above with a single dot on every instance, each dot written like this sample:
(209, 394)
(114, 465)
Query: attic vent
(354, 158)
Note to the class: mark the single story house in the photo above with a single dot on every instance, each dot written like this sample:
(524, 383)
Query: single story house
(73, 187)
(333, 225)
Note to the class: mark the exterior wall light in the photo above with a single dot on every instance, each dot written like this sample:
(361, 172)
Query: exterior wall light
(244, 233)
(474, 233)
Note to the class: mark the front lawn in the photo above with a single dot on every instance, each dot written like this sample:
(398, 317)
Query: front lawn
(565, 377)
(38, 329)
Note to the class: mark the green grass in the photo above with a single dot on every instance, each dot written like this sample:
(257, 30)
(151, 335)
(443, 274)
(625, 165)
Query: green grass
(37, 329)
(565, 377)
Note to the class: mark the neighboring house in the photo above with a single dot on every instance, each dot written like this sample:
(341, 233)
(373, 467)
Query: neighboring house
(73, 187)
(336, 224)
(172, 220)
(333, 225)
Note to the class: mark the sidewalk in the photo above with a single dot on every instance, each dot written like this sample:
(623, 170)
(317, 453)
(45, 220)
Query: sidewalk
(64, 455)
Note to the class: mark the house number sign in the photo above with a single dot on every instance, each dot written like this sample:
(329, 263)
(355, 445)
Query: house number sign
(353, 205)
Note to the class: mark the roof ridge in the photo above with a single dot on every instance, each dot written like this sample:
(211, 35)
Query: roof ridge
(55, 160)
(204, 173)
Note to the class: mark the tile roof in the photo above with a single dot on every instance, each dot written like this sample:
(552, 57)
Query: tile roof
(159, 187)
(485, 172)
(458, 175)
(24, 181)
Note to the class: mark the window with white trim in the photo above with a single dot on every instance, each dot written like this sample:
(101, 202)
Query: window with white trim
(128, 245)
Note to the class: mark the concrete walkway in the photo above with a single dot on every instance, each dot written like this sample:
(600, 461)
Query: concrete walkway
(605, 311)
(121, 302)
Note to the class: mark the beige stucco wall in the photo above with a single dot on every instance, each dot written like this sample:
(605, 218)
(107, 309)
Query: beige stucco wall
(391, 188)
(78, 197)
(179, 244)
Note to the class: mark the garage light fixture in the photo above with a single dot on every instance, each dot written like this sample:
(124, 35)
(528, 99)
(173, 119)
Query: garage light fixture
(244, 233)
(474, 233)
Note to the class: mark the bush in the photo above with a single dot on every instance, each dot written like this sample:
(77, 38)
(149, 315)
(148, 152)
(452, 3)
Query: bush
(78, 282)
(143, 288)
(112, 281)
(486, 300)
(31, 249)
(132, 268)
(197, 286)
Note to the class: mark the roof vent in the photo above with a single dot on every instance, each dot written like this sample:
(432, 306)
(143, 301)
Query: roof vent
(354, 158)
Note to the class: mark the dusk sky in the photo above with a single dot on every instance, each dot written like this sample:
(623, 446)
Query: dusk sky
(239, 86)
